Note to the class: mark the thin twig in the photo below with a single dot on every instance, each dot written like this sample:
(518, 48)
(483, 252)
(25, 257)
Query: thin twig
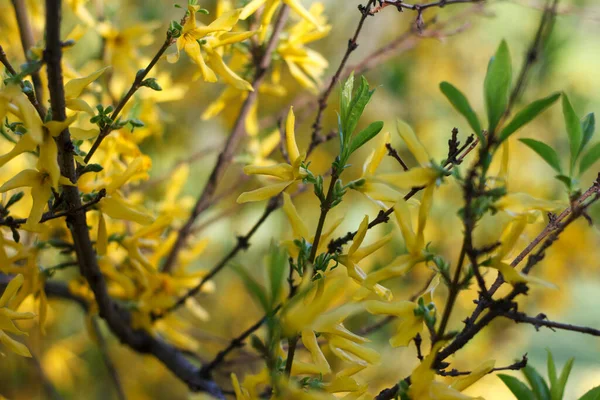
(540, 321)
(108, 362)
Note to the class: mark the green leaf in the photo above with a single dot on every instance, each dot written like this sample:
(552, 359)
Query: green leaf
(537, 383)
(558, 390)
(92, 168)
(567, 181)
(15, 198)
(545, 151)
(588, 126)
(518, 388)
(497, 85)
(573, 128)
(461, 104)
(592, 394)
(356, 107)
(255, 288)
(346, 96)
(365, 135)
(551, 369)
(589, 158)
(277, 264)
(527, 114)
(152, 83)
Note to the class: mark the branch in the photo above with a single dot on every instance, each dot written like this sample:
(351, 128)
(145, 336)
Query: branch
(226, 155)
(117, 318)
(517, 365)
(110, 366)
(540, 321)
(27, 41)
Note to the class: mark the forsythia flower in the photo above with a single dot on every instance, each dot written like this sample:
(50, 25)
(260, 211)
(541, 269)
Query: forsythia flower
(424, 386)
(306, 65)
(8, 316)
(288, 174)
(376, 191)
(424, 175)
(301, 230)
(355, 254)
(410, 324)
(212, 37)
(508, 240)
(271, 6)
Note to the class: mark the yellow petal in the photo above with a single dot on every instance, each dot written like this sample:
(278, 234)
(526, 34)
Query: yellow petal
(56, 127)
(360, 235)
(232, 37)
(464, 382)
(84, 134)
(301, 11)
(298, 226)
(290, 136)
(413, 178)
(301, 77)
(263, 193)
(31, 119)
(48, 160)
(216, 62)
(251, 8)
(79, 105)
(353, 352)
(24, 144)
(40, 195)
(74, 87)
(404, 219)
(368, 250)
(11, 289)
(424, 210)
(414, 145)
(376, 156)
(281, 171)
(118, 209)
(13, 345)
(25, 178)
(513, 276)
(309, 339)
(225, 22)
(193, 51)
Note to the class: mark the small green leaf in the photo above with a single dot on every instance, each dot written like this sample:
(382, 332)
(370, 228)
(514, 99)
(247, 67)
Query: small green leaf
(589, 158)
(14, 199)
(527, 114)
(461, 104)
(497, 85)
(365, 135)
(567, 181)
(551, 369)
(277, 264)
(346, 97)
(356, 107)
(588, 126)
(558, 390)
(545, 151)
(573, 128)
(152, 84)
(537, 383)
(593, 394)
(255, 288)
(92, 168)
(518, 388)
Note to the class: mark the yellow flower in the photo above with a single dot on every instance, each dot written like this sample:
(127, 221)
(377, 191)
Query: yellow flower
(270, 8)
(288, 174)
(301, 231)
(75, 87)
(367, 185)
(409, 323)
(424, 386)
(424, 174)
(509, 238)
(306, 65)
(355, 254)
(40, 182)
(8, 316)
(194, 38)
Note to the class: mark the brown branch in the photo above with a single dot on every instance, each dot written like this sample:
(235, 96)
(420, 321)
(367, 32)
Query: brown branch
(392, 152)
(117, 318)
(226, 155)
(518, 365)
(27, 41)
(541, 321)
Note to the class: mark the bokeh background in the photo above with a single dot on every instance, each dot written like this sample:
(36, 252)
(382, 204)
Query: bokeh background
(456, 48)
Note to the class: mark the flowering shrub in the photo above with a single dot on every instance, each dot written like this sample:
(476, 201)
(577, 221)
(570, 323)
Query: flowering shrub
(79, 221)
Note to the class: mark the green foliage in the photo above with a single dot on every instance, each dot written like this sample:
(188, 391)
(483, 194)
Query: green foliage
(527, 114)
(546, 152)
(461, 104)
(574, 131)
(538, 388)
(593, 394)
(352, 106)
(497, 86)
